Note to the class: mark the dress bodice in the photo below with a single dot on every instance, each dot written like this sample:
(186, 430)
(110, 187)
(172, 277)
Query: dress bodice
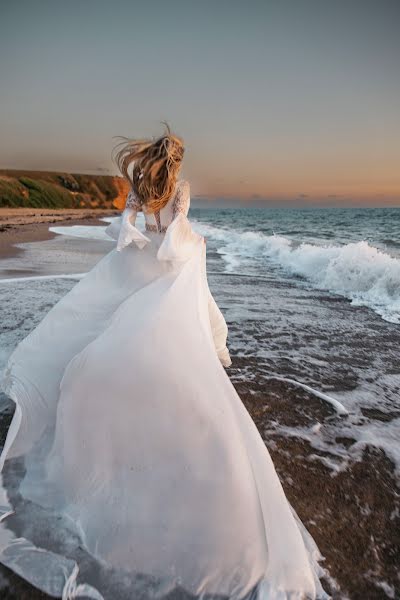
(124, 230)
(160, 220)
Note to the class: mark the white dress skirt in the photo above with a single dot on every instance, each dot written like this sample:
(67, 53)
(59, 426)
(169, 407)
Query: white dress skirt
(131, 467)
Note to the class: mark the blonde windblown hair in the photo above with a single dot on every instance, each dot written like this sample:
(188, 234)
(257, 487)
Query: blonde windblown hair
(156, 166)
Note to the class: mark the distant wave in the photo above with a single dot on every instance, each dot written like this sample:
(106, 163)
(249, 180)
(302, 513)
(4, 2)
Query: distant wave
(364, 274)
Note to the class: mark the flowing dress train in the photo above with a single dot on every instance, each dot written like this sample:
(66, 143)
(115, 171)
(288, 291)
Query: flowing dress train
(131, 466)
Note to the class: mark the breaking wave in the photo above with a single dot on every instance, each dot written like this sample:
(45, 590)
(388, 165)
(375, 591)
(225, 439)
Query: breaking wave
(364, 274)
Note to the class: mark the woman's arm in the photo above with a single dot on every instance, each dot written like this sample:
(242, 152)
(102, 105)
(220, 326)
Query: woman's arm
(182, 200)
(127, 231)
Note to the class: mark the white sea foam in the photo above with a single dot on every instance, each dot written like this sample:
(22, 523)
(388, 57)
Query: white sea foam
(88, 232)
(338, 406)
(91, 232)
(322, 438)
(362, 273)
(358, 271)
(42, 277)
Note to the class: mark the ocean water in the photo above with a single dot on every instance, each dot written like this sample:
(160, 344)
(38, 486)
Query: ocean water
(311, 296)
(351, 252)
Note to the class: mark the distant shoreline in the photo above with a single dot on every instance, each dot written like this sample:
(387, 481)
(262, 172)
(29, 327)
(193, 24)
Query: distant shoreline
(20, 225)
(57, 190)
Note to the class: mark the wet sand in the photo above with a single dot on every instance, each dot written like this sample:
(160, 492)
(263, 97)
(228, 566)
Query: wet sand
(353, 515)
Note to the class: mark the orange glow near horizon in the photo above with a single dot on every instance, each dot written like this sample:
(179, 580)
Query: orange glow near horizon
(369, 181)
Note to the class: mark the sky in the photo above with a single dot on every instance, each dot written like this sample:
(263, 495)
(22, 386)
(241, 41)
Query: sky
(278, 101)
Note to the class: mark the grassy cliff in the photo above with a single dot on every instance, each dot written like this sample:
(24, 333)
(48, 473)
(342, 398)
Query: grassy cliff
(43, 189)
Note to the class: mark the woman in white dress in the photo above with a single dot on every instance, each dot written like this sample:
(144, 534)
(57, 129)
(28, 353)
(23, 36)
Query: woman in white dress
(131, 464)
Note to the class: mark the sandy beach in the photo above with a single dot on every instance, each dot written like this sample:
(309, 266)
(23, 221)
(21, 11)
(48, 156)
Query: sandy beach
(352, 512)
(18, 225)
(353, 515)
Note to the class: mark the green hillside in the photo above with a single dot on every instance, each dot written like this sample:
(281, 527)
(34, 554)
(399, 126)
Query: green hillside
(42, 189)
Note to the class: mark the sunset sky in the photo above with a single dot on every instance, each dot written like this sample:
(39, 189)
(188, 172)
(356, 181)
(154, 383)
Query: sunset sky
(283, 100)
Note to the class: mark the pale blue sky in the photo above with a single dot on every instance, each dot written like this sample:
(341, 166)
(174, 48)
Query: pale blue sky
(278, 99)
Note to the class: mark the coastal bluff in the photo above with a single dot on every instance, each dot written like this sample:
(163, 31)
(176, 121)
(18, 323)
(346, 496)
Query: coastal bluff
(59, 190)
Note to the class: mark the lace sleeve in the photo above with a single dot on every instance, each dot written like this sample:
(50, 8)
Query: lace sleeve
(123, 230)
(182, 199)
(132, 201)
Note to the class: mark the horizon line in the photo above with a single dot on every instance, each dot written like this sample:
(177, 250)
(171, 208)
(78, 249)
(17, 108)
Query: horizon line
(253, 200)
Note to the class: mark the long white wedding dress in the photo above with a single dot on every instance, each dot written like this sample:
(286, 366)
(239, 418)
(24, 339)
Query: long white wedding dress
(131, 464)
